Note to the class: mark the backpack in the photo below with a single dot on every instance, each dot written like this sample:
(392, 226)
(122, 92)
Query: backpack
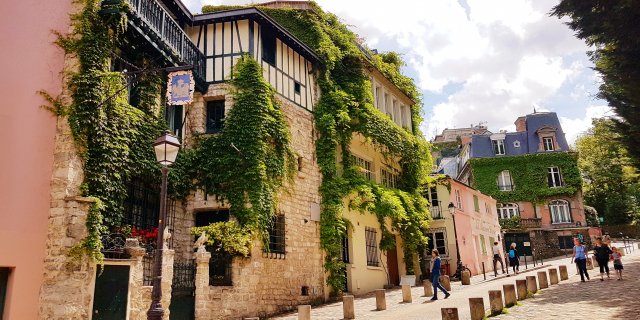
(512, 253)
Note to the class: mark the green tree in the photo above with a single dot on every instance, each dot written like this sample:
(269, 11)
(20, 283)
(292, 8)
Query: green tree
(612, 29)
(610, 180)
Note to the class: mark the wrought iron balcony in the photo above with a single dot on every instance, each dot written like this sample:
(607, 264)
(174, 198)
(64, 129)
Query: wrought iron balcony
(163, 32)
(531, 223)
(436, 212)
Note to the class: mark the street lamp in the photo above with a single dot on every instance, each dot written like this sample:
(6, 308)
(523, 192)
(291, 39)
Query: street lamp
(452, 211)
(166, 148)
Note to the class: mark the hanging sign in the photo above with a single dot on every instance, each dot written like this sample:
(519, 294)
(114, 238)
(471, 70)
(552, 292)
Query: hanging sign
(180, 87)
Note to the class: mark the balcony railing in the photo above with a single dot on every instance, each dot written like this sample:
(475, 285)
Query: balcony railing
(517, 223)
(531, 223)
(436, 212)
(174, 40)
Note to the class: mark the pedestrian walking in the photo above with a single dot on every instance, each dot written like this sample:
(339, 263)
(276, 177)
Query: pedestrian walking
(580, 258)
(435, 275)
(617, 261)
(514, 258)
(602, 252)
(497, 257)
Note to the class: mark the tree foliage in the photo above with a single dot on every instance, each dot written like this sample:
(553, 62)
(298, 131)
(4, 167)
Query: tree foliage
(612, 28)
(609, 177)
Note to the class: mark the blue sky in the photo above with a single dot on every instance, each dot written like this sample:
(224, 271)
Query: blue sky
(478, 61)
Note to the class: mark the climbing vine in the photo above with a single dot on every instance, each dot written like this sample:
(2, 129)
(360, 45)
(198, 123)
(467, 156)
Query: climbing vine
(250, 159)
(529, 176)
(112, 135)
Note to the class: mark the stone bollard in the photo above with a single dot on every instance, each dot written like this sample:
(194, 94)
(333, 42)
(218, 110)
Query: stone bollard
(348, 310)
(428, 288)
(495, 302)
(381, 300)
(542, 278)
(445, 282)
(564, 275)
(509, 295)
(532, 285)
(521, 286)
(553, 276)
(304, 312)
(466, 278)
(406, 293)
(476, 307)
(449, 313)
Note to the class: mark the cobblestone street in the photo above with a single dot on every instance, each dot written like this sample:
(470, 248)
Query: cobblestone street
(569, 300)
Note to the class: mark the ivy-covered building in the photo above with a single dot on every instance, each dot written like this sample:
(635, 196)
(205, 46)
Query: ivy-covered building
(535, 178)
(301, 162)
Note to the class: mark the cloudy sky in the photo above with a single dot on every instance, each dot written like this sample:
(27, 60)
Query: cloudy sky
(476, 61)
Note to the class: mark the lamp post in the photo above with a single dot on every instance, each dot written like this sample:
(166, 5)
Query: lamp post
(166, 148)
(452, 210)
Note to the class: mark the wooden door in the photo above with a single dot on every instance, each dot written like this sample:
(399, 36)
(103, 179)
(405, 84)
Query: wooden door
(392, 266)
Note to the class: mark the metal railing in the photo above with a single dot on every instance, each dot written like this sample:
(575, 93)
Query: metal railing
(531, 223)
(436, 212)
(157, 19)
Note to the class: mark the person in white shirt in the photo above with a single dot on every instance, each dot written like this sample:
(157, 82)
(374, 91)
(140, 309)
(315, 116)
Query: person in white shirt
(497, 257)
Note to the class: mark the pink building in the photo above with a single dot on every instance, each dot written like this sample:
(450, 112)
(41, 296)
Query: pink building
(30, 63)
(476, 225)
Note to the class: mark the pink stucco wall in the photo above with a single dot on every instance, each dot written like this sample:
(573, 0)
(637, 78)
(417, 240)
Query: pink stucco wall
(29, 62)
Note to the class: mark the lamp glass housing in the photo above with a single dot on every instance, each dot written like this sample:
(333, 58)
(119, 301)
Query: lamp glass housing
(166, 148)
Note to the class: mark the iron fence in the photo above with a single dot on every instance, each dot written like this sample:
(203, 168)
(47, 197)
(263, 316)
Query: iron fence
(184, 277)
(220, 269)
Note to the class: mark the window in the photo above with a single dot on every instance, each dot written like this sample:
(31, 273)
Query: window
(268, 46)
(508, 210)
(565, 242)
(215, 116)
(206, 218)
(220, 261)
(4, 279)
(483, 245)
(296, 87)
(554, 177)
(458, 200)
(365, 167)
(487, 208)
(370, 235)
(504, 181)
(498, 147)
(345, 249)
(276, 234)
(389, 178)
(476, 203)
(548, 144)
(173, 115)
(437, 240)
(560, 212)
(434, 208)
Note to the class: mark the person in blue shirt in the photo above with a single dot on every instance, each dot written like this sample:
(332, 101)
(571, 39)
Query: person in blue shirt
(435, 275)
(580, 258)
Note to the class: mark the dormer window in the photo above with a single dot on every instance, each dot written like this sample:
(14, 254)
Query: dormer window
(548, 144)
(498, 147)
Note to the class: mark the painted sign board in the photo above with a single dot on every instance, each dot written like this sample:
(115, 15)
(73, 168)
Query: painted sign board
(180, 87)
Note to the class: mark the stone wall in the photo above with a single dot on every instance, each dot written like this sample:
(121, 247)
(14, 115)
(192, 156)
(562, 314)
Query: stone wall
(263, 285)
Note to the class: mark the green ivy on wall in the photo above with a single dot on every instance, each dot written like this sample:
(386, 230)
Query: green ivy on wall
(529, 176)
(113, 137)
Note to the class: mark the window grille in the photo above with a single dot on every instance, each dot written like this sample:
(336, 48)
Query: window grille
(277, 235)
(220, 269)
(345, 249)
(372, 247)
(215, 116)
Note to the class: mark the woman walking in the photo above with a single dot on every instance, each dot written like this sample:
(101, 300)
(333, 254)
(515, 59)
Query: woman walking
(435, 275)
(602, 253)
(514, 258)
(580, 258)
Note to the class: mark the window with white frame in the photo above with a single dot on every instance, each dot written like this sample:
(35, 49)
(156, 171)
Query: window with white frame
(548, 143)
(498, 147)
(438, 240)
(389, 178)
(560, 212)
(366, 167)
(554, 177)
(508, 210)
(504, 181)
(458, 200)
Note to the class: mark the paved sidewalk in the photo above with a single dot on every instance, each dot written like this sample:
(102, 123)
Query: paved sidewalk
(595, 299)
(421, 307)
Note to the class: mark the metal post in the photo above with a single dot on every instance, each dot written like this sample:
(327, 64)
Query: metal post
(458, 274)
(483, 274)
(506, 262)
(156, 312)
(525, 262)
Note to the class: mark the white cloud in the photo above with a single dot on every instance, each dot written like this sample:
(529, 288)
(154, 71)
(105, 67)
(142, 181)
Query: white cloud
(575, 127)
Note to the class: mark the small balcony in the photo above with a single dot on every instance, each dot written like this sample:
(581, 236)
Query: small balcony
(531, 223)
(517, 223)
(436, 212)
(155, 24)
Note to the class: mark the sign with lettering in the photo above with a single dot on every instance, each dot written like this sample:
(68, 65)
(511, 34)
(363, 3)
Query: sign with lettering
(527, 244)
(180, 87)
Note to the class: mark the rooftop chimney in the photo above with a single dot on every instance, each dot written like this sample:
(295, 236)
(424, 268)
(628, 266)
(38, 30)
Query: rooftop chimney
(521, 124)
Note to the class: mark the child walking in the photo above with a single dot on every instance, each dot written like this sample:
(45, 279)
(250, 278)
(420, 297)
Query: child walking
(617, 262)
(513, 258)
